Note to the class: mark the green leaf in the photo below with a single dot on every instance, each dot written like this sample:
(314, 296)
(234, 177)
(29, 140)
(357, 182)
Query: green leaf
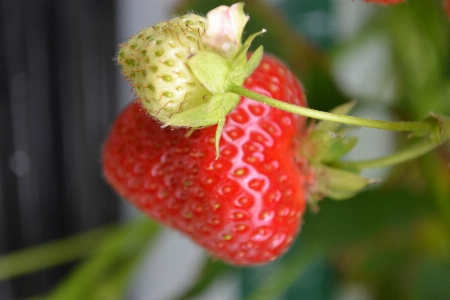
(211, 69)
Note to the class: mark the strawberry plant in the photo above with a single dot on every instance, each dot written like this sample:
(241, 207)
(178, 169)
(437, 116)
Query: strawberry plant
(220, 145)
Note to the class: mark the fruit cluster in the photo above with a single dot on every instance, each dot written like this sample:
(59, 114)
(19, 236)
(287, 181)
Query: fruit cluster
(246, 206)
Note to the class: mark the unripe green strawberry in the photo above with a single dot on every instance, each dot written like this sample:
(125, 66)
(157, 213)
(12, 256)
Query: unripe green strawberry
(181, 69)
(154, 61)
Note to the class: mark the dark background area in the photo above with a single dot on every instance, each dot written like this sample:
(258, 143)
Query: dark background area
(57, 100)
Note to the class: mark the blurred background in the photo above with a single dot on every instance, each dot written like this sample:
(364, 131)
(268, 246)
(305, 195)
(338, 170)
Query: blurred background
(65, 234)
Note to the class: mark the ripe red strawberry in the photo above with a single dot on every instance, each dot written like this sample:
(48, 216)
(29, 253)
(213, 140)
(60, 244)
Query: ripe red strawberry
(386, 1)
(246, 206)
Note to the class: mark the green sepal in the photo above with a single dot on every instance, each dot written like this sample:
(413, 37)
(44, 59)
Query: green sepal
(337, 184)
(195, 117)
(219, 129)
(211, 70)
(214, 71)
(241, 55)
(210, 113)
(322, 146)
(315, 147)
(339, 148)
(244, 68)
(254, 61)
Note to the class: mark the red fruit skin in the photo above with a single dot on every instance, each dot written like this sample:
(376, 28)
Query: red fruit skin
(385, 1)
(245, 207)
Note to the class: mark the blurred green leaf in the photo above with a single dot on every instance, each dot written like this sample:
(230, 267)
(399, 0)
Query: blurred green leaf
(51, 254)
(420, 35)
(276, 278)
(112, 257)
(211, 271)
(437, 175)
(318, 282)
(342, 223)
(432, 280)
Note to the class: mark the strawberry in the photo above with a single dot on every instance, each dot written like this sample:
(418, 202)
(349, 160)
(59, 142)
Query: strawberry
(179, 69)
(154, 61)
(385, 1)
(246, 206)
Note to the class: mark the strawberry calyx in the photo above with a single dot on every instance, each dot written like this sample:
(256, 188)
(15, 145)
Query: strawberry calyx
(216, 73)
(323, 146)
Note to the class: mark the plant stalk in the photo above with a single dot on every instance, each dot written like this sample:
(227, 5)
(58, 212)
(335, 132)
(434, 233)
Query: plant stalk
(435, 129)
(418, 128)
(408, 153)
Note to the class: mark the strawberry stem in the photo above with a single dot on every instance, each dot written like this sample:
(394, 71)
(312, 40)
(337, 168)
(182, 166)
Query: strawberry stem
(419, 128)
(410, 152)
(434, 130)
